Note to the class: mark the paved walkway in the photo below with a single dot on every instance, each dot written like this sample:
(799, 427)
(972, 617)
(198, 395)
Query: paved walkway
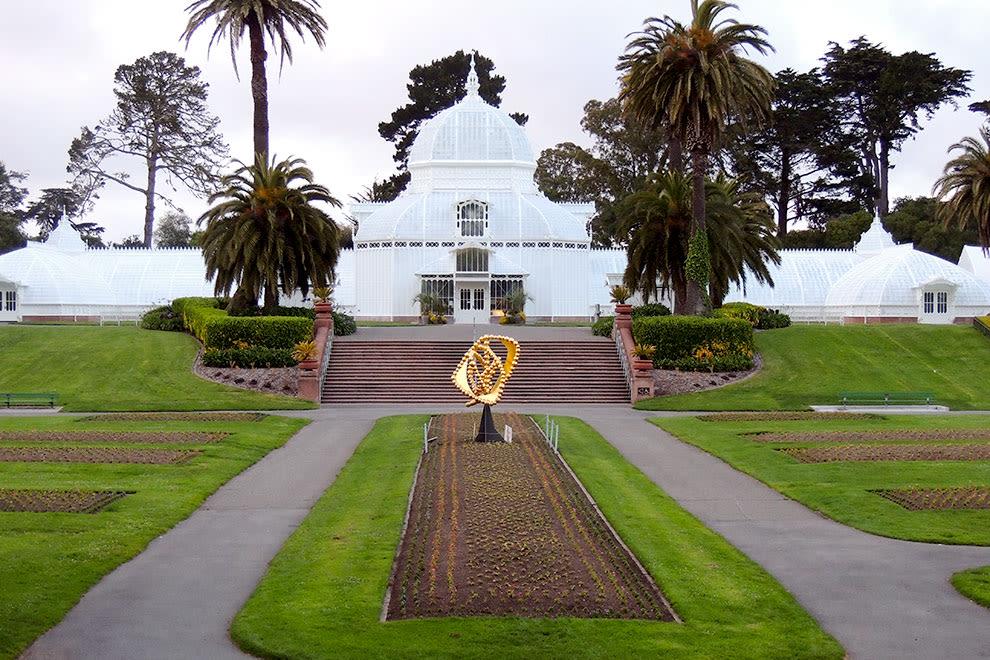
(881, 598)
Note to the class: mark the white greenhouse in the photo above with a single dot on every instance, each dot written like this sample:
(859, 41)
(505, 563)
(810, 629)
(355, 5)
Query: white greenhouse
(471, 227)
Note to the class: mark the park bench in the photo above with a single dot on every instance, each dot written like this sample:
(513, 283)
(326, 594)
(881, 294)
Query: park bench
(32, 399)
(886, 398)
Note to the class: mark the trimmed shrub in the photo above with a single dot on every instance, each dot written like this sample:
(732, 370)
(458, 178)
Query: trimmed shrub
(650, 309)
(694, 343)
(603, 326)
(343, 324)
(739, 310)
(162, 318)
(250, 358)
(215, 329)
(771, 319)
(306, 312)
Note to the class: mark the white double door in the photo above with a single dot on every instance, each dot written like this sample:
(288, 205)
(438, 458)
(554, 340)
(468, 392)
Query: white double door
(471, 303)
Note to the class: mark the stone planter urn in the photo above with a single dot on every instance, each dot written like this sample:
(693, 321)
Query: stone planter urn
(623, 316)
(323, 307)
(639, 364)
(309, 365)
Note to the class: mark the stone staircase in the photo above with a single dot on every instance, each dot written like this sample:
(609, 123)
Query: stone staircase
(383, 371)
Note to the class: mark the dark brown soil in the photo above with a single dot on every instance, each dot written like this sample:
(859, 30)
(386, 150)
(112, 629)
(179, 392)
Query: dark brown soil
(175, 417)
(57, 501)
(671, 381)
(940, 499)
(94, 455)
(280, 380)
(837, 453)
(505, 529)
(113, 437)
(944, 435)
(782, 416)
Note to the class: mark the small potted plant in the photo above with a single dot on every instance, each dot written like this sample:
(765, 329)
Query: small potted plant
(623, 311)
(305, 354)
(644, 356)
(322, 295)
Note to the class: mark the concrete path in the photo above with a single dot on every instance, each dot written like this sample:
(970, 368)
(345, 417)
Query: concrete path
(177, 598)
(881, 598)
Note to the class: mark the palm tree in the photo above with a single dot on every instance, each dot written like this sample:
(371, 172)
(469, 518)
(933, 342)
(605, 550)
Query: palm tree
(693, 79)
(657, 222)
(965, 185)
(268, 234)
(742, 234)
(258, 17)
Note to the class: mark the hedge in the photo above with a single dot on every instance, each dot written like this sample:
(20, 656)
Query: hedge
(343, 324)
(162, 318)
(603, 326)
(216, 329)
(251, 357)
(759, 317)
(695, 343)
(650, 309)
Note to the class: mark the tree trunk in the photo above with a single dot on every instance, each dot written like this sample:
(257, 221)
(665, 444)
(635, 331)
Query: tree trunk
(149, 202)
(259, 85)
(678, 286)
(241, 301)
(783, 194)
(883, 203)
(699, 160)
(271, 297)
(675, 154)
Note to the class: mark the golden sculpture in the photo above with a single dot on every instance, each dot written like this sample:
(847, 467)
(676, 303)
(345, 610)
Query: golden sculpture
(481, 375)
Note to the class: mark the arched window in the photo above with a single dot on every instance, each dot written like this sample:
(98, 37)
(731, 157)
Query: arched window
(472, 218)
(472, 260)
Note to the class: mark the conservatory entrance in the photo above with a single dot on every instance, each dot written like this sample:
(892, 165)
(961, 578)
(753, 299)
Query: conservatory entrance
(471, 303)
(8, 301)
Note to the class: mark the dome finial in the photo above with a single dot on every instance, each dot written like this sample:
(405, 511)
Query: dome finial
(472, 79)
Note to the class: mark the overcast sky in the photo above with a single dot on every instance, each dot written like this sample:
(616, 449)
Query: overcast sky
(59, 57)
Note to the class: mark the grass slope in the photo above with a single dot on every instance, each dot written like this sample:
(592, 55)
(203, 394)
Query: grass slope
(49, 560)
(118, 368)
(841, 490)
(323, 593)
(807, 365)
(974, 584)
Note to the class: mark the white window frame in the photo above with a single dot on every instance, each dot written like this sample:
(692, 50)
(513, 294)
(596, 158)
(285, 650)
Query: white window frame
(472, 218)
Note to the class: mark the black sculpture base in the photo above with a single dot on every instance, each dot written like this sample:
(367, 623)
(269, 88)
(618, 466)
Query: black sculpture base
(486, 430)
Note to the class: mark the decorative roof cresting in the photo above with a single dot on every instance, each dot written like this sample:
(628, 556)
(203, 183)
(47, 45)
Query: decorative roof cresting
(472, 80)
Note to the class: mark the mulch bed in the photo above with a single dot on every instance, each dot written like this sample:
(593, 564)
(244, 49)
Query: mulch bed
(670, 381)
(505, 529)
(937, 435)
(837, 453)
(175, 417)
(57, 501)
(113, 437)
(939, 499)
(276, 380)
(95, 455)
(794, 416)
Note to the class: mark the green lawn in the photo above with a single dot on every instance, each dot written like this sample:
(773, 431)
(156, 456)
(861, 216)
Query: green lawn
(807, 365)
(49, 560)
(974, 584)
(118, 368)
(323, 593)
(841, 490)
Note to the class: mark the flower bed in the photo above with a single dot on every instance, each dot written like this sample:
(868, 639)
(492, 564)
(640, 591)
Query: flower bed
(939, 499)
(175, 417)
(783, 416)
(94, 455)
(694, 343)
(935, 435)
(57, 501)
(113, 437)
(860, 453)
(505, 529)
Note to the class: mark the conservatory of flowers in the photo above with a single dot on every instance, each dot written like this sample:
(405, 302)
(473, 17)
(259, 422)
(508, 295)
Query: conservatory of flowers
(471, 227)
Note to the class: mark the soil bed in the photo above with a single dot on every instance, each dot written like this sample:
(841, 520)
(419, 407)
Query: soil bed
(57, 501)
(94, 455)
(505, 529)
(671, 381)
(113, 437)
(922, 499)
(794, 416)
(839, 453)
(175, 417)
(935, 435)
(275, 380)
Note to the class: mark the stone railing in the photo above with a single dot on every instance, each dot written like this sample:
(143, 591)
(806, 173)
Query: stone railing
(639, 373)
(313, 373)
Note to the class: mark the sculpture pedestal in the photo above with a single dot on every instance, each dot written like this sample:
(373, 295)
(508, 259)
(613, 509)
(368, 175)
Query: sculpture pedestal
(486, 430)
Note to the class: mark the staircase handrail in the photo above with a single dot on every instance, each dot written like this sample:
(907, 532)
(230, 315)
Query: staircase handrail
(623, 360)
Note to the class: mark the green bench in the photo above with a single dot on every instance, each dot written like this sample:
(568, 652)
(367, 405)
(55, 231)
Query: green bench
(886, 398)
(33, 399)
